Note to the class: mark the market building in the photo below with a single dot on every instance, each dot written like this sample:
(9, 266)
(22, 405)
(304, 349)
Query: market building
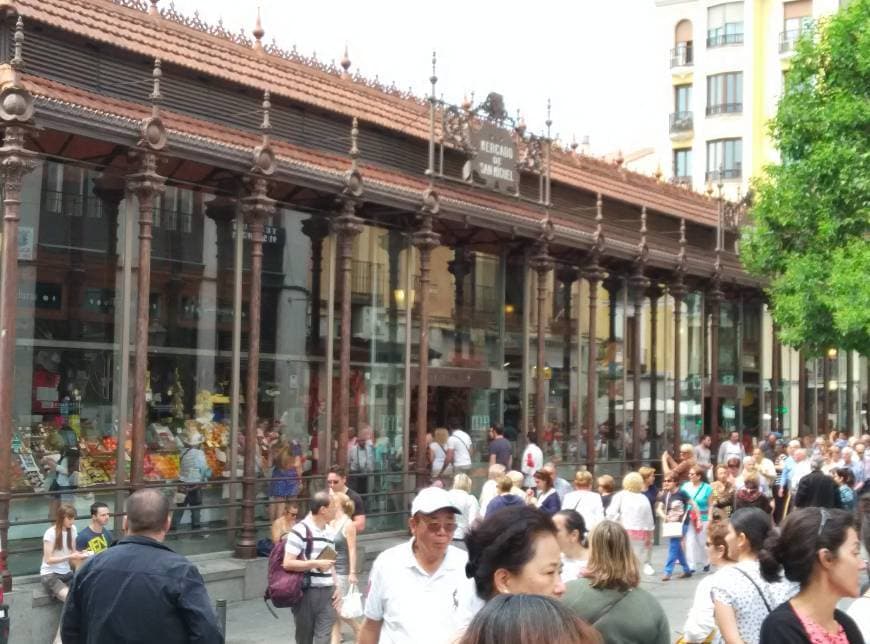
(208, 235)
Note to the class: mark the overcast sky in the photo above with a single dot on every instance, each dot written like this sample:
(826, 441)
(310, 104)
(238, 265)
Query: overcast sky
(594, 58)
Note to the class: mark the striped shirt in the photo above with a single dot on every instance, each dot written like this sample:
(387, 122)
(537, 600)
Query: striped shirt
(297, 542)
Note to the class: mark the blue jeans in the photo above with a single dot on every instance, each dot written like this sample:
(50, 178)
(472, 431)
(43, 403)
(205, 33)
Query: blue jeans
(675, 554)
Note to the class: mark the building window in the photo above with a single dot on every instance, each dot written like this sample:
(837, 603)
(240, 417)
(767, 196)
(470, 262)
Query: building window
(724, 159)
(683, 165)
(681, 118)
(681, 54)
(797, 18)
(725, 24)
(725, 93)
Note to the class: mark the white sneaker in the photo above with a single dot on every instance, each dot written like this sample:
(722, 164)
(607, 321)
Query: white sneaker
(648, 570)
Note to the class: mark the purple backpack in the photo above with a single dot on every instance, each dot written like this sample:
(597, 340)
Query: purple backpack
(284, 589)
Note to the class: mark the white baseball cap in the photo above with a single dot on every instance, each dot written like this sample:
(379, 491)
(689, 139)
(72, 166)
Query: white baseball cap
(431, 499)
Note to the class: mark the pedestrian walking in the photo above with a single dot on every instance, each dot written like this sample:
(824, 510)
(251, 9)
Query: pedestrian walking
(572, 537)
(631, 509)
(528, 619)
(316, 612)
(506, 496)
(469, 509)
(818, 549)
(608, 597)
(673, 509)
(722, 494)
(514, 551)
(680, 469)
(546, 498)
(531, 461)
(845, 480)
(742, 598)
(732, 448)
(817, 489)
(703, 455)
(193, 472)
(58, 551)
(285, 484)
(501, 452)
(562, 486)
(346, 567)
(461, 446)
(418, 590)
(751, 496)
(650, 491)
(96, 537)
(139, 589)
(336, 480)
(441, 456)
(700, 623)
(490, 490)
(584, 500)
(606, 487)
(699, 492)
(284, 523)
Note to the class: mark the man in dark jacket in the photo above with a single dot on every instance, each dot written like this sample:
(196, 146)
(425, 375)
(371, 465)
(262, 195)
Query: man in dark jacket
(817, 489)
(139, 590)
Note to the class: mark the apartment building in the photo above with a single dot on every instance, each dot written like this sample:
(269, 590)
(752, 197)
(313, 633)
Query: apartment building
(726, 63)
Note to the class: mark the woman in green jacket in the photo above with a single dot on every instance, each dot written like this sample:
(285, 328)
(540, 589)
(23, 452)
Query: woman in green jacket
(608, 596)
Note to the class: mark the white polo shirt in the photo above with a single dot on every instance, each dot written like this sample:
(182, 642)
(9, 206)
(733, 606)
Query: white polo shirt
(415, 606)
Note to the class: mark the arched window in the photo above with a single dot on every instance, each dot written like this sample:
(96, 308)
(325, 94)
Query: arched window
(681, 54)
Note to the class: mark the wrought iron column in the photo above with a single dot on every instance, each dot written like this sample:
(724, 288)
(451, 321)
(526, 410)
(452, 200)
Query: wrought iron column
(655, 293)
(678, 291)
(802, 392)
(16, 112)
(639, 284)
(146, 184)
(425, 239)
(255, 208)
(542, 264)
(715, 297)
(593, 275)
(568, 276)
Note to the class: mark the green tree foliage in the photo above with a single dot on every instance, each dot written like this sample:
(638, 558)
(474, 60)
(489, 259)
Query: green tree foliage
(809, 234)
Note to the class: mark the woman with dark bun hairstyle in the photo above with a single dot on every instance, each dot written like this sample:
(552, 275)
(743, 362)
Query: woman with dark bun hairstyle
(515, 551)
(819, 549)
(528, 619)
(742, 598)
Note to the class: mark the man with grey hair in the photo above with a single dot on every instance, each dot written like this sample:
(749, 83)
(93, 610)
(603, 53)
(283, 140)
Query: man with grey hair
(139, 589)
(817, 489)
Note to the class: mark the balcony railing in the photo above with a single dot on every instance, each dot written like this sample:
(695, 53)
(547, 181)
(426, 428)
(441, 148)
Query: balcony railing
(720, 40)
(788, 40)
(681, 55)
(681, 180)
(725, 173)
(681, 122)
(724, 108)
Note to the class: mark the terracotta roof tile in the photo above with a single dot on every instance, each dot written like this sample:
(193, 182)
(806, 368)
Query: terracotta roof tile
(107, 22)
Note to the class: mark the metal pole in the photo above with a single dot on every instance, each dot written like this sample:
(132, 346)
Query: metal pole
(592, 372)
(235, 382)
(423, 370)
(774, 381)
(256, 208)
(326, 448)
(15, 162)
(145, 184)
(715, 301)
(677, 294)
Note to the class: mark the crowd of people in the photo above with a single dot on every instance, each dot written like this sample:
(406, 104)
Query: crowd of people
(776, 534)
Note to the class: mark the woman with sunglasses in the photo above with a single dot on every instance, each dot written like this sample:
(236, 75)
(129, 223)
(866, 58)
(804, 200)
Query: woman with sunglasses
(819, 549)
(700, 623)
(742, 598)
(698, 491)
(673, 507)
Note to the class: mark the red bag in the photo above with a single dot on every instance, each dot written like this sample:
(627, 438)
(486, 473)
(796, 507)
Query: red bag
(284, 588)
(530, 460)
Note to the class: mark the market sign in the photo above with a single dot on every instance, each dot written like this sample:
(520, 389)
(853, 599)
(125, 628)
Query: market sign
(495, 159)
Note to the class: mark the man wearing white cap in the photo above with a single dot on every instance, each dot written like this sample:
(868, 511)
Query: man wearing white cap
(418, 591)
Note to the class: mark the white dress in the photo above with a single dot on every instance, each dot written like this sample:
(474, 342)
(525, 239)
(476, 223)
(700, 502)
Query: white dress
(588, 504)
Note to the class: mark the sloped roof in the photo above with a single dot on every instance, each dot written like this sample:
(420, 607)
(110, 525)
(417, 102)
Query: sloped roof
(137, 31)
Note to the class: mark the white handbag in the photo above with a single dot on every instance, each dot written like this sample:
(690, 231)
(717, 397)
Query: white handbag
(351, 603)
(672, 529)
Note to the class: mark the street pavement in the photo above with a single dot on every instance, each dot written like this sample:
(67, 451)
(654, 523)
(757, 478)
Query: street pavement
(250, 622)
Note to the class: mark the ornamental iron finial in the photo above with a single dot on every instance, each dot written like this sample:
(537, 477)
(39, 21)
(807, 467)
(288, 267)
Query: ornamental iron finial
(681, 257)
(353, 182)
(433, 79)
(152, 130)
(153, 10)
(258, 32)
(263, 155)
(17, 61)
(549, 121)
(643, 247)
(345, 64)
(599, 223)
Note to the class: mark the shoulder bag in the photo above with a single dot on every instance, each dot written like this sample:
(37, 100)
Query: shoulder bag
(673, 529)
(752, 581)
(597, 618)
